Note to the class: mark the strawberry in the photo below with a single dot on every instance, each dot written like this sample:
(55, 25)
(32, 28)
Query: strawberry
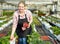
(25, 24)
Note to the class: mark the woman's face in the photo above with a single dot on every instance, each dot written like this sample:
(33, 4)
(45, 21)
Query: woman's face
(21, 7)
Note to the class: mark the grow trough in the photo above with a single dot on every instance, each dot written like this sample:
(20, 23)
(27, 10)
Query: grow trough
(2, 34)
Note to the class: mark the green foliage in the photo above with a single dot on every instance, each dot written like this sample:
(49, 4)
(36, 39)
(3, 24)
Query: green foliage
(2, 18)
(40, 13)
(7, 13)
(35, 21)
(48, 42)
(7, 19)
(56, 30)
(53, 19)
(6, 39)
(34, 38)
(35, 12)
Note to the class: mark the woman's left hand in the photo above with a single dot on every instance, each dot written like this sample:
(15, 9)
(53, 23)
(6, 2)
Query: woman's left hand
(23, 28)
(28, 26)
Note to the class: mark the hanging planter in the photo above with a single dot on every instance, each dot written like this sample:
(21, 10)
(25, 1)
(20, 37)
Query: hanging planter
(40, 13)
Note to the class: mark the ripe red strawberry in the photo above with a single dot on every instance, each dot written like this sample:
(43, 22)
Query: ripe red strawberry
(25, 24)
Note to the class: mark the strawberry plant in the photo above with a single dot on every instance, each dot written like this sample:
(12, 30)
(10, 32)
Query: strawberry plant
(56, 30)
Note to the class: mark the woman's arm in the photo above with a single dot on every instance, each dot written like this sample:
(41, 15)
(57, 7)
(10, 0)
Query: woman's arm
(30, 19)
(14, 26)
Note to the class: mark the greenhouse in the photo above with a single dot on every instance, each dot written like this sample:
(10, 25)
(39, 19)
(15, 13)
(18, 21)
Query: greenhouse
(45, 25)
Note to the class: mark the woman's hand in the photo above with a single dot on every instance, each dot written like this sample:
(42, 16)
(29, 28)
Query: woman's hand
(23, 28)
(28, 26)
(11, 37)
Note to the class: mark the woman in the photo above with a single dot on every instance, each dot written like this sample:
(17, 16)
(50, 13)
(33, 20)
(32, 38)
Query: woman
(20, 16)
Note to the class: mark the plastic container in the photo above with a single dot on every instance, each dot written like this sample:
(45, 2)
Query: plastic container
(13, 41)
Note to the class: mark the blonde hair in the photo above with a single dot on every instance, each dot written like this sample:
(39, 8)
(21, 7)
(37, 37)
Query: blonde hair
(23, 2)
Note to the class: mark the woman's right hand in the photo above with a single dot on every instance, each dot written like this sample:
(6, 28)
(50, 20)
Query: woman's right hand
(11, 37)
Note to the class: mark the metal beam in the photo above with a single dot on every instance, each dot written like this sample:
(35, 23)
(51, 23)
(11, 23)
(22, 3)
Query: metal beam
(30, 2)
